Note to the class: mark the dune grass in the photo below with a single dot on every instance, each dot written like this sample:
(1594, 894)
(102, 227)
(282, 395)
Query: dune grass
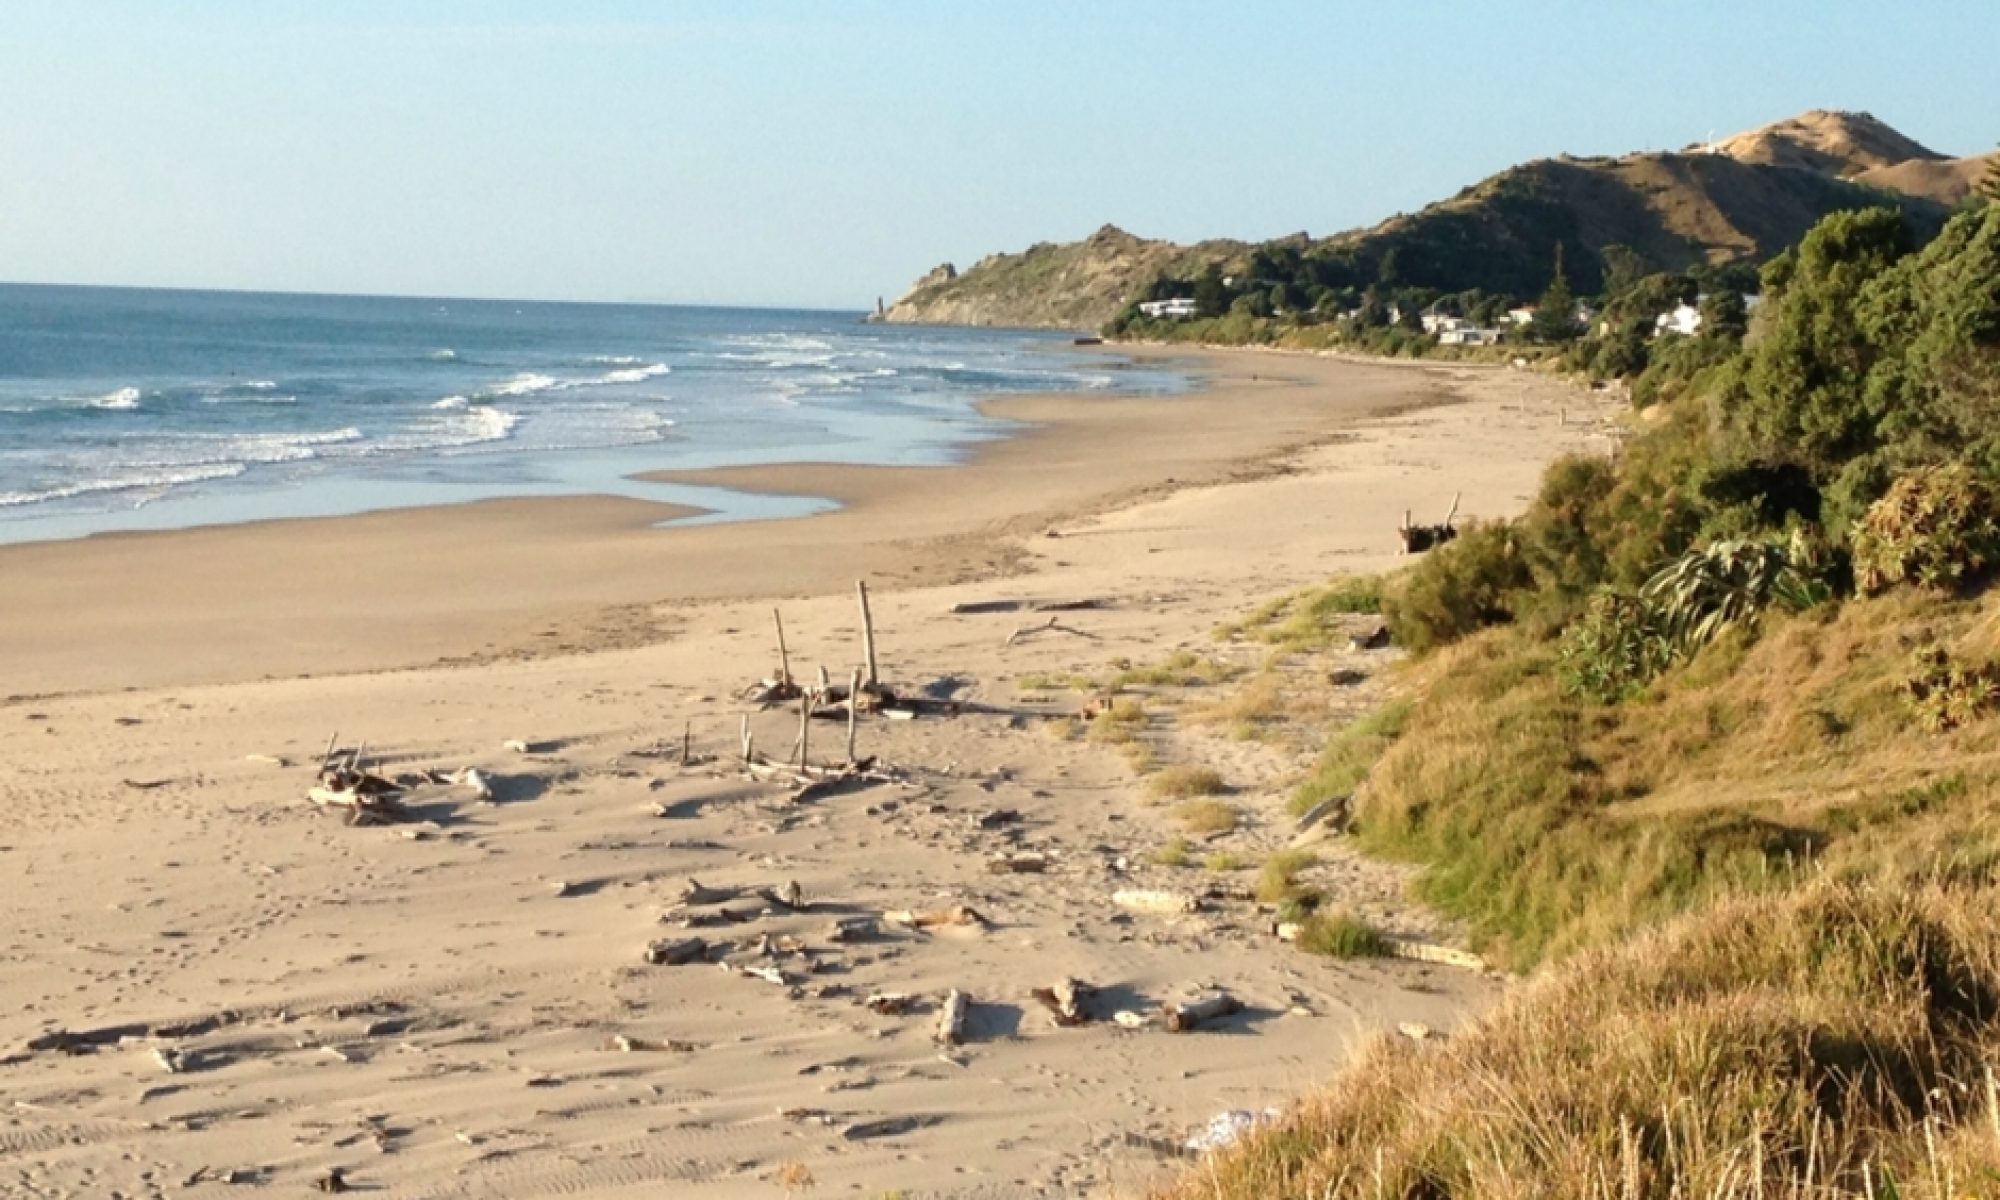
(1207, 816)
(1836, 1041)
(1184, 781)
(1340, 934)
(1278, 881)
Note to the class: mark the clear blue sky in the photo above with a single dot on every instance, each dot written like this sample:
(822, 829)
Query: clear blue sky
(823, 152)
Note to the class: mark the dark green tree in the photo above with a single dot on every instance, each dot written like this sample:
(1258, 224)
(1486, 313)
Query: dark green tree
(1724, 315)
(1211, 297)
(1555, 312)
(1623, 267)
(1989, 185)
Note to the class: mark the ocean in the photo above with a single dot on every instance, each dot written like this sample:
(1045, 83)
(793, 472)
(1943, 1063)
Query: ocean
(128, 409)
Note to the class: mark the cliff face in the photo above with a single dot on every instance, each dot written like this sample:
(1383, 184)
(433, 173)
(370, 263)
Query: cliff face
(1074, 285)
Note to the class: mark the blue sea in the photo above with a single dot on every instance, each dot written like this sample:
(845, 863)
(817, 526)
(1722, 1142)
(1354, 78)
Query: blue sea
(127, 409)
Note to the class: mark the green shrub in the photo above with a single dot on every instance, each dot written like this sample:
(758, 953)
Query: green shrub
(1341, 935)
(1711, 588)
(1935, 529)
(1459, 588)
(1947, 694)
(1615, 648)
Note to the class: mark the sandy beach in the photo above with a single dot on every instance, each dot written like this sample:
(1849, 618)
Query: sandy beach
(459, 1006)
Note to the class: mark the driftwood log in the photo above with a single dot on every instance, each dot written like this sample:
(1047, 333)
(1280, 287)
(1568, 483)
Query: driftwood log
(1184, 1015)
(676, 953)
(1065, 1001)
(1419, 538)
(951, 1018)
(1155, 902)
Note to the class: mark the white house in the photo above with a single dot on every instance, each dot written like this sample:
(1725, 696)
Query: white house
(1179, 308)
(1684, 320)
(1443, 323)
(1521, 315)
(1466, 335)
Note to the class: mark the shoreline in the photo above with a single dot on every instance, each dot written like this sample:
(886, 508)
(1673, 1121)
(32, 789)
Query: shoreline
(474, 982)
(406, 587)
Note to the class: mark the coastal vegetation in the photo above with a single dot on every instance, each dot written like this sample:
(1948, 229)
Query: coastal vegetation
(1705, 740)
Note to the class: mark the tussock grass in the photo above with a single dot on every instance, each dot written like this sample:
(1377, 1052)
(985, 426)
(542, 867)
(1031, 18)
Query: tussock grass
(1182, 669)
(1308, 620)
(1062, 682)
(1341, 935)
(1184, 781)
(1349, 755)
(1278, 881)
(1252, 711)
(1207, 816)
(1176, 853)
(1121, 721)
(1550, 823)
(1223, 861)
(1836, 1041)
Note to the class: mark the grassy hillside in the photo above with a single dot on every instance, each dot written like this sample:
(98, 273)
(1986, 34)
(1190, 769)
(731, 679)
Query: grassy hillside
(1074, 285)
(1842, 144)
(1947, 181)
(1741, 683)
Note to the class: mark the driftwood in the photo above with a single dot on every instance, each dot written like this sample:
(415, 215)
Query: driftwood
(1375, 639)
(1184, 1015)
(1156, 902)
(957, 915)
(676, 953)
(873, 679)
(1019, 862)
(890, 1004)
(951, 1018)
(697, 895)
(1024, 632)
(851, 929)
(791, 897)
(1419, 538)
(369, 799)
(1065, 1001)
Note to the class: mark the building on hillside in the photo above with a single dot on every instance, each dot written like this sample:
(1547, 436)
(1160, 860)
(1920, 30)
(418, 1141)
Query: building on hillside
(1179, 308)
(1684, 320)
(1521, 315)
(1467, 335)
(1442, 323)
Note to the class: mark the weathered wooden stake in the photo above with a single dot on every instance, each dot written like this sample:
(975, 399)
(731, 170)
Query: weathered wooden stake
(867, 633)
(687, 743)
(853, 707)
(784, 655)
(743, 737)
(805, 724)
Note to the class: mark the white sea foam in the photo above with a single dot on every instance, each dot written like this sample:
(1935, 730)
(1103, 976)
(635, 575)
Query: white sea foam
(124, 399)
(453, 402)
(614, 360)
(126, 480)
(445, 355)
(527, 383)
(637, 374)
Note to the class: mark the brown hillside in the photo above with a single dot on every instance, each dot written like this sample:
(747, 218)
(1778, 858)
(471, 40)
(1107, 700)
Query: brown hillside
(1947, 181)
(1835, 143)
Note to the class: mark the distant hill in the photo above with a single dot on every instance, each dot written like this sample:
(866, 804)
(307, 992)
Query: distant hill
(1743, 199)
(1842, 144)
(1947, 181)
(1074, 285)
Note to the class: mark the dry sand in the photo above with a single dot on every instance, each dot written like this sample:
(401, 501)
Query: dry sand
(435, 1008)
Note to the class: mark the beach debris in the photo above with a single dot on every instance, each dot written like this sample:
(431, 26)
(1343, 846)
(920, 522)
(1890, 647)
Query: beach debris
(887, 1127)
(1375, 639)
(890, 1004)
(791, 897)
(172, 1061)
(1419, 538)
(1225, 1129)
(1156, 902)
(1023, 632)
(1018, 862)
(676, 952)
(958, 915)
(699, 896)
(1065, 1000)
(368, 798)
(146, 785)
(473, 780)
(997, 818)
(1185, 1015)
(1417, 1031)
(1164, 1147)
(1125, 1018)
(852, 929)
(951, 1018)
(631, 1045)
(516, 746)
(766, 973)
(335, 1180)
(1431, 952)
